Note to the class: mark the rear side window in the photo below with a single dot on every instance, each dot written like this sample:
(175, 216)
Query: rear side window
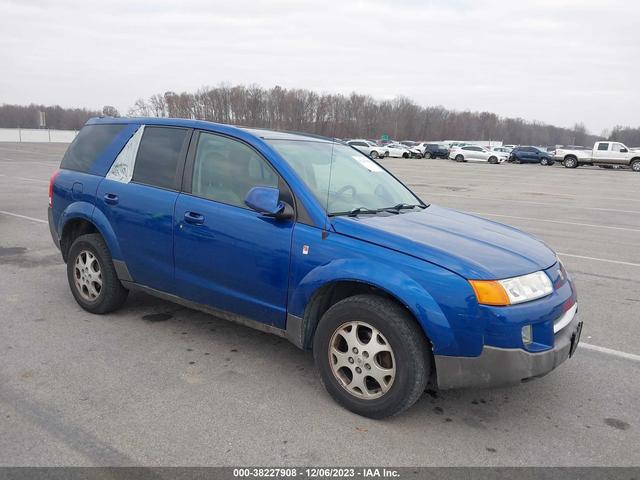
(160, 151)
(603, 146)
(89, 143)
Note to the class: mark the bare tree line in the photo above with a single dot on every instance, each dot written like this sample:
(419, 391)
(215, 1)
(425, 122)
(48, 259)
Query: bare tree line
(350, 116)
(336, 115)
(21, 116)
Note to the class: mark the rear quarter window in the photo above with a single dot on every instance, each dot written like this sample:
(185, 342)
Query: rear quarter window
(88, 144)
(161, 149)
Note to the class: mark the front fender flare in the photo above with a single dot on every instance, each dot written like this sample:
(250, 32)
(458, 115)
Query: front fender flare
(382, 276)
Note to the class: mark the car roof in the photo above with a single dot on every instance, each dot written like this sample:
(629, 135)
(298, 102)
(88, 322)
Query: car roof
(262, 133)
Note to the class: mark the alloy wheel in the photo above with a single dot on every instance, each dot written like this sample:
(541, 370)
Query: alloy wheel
(87, 275)
(362, 360)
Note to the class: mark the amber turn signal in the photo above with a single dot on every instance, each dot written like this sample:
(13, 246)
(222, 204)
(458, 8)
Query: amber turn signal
(490, 292)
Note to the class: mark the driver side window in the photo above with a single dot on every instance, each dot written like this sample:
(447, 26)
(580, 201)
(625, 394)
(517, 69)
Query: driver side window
(225, 170)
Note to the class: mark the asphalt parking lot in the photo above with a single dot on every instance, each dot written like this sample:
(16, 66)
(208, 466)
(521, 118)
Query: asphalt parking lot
(159, 384)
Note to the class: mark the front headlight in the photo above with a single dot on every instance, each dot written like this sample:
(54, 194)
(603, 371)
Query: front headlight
(511, 291)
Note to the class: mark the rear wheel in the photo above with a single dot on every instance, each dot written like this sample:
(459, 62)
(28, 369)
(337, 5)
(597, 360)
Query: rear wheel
(635, 165)
(372, 356)
(570, 162)
(92, 276)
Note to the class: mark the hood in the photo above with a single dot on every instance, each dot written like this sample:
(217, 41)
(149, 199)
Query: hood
(470, 246)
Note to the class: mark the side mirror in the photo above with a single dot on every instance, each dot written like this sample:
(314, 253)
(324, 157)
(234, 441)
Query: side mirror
(266, 201)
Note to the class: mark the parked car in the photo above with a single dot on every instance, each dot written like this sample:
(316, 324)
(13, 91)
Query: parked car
(369, 148)
(506, 150)
(602, 154)
(399, 151)
(434, 150)
(530, 154)
(313, 241)
(474, 153)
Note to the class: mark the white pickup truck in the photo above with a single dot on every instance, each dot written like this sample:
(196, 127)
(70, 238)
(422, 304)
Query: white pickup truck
(603, 154)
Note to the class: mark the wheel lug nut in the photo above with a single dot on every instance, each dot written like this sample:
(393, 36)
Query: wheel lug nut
(367, 366)
(365, 354)
(355, 350)
(358, 369)
(350, 359)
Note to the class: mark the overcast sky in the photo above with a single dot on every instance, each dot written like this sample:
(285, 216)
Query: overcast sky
(556, 61)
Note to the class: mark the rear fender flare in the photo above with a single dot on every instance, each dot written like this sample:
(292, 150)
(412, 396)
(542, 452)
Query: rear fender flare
(86, 211)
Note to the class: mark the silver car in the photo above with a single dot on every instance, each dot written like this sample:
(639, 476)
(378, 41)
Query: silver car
(369, 148)
(474, 153)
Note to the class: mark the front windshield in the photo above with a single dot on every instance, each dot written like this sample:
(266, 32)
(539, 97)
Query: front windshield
(353, 182)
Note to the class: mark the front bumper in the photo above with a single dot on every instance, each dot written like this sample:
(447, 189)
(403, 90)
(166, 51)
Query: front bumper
(506, 366)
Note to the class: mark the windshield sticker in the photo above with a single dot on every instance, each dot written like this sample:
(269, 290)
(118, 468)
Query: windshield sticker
(368, 164)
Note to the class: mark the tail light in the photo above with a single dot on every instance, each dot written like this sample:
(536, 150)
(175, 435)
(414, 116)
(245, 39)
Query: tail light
(51, 182)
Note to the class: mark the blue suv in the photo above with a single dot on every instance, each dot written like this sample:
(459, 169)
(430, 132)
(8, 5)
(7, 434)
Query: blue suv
(531, 155)
(309, 239)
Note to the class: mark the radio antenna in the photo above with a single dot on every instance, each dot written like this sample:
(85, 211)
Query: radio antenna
(325, 232)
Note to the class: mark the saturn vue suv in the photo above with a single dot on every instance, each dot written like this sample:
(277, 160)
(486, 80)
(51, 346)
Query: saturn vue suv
(309, 239)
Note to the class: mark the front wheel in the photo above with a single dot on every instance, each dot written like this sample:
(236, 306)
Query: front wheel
(570, 162)
(544, 162)
(405, 155)
(372, 356)
(374, 154)
(459, 158)
(92, 276)
(418, 156)
(493, 160)
(428, 155)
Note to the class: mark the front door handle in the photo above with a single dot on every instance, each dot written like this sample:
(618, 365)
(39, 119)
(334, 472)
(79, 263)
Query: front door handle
(193, 218)
(111, 199)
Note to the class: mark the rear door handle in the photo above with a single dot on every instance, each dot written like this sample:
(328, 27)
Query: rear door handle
(111, 199)
(193, 218)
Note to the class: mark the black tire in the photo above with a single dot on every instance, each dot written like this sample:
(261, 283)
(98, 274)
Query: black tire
(112, 294)
(418, 156)
(570, 162)
(544, 162)
(405, 155)
(373, 154)
(635, 165)
(493, 160)
(411, 353)
(459, 158)
(428, 155)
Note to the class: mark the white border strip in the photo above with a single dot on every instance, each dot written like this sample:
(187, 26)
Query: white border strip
(565, 319)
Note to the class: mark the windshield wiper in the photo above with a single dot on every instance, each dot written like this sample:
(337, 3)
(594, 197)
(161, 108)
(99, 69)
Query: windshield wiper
(356, 211)
(400, 206)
